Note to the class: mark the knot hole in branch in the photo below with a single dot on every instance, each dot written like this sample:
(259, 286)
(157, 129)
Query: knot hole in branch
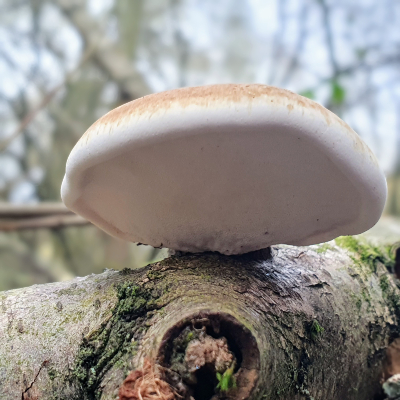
(210, 355)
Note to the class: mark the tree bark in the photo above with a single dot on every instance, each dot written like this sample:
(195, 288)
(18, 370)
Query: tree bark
(314, 322)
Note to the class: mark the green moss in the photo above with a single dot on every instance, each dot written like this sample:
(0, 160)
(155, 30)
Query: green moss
(359, 304)
(384, 283)
(113, 343)
(367, 255)
(53, 374)
(323, 248)
(154, 275)
(366, 296)
(189, 337)
(131, 351)
(316, 330)
(394, 301)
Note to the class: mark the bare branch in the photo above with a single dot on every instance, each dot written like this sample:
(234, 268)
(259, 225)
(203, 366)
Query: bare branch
(30, 116)
(107, 55)
(329, 37)
(45, 101)
(48, 221)
(36, 216)
(361, 66)
(9, 210)
(301, 39)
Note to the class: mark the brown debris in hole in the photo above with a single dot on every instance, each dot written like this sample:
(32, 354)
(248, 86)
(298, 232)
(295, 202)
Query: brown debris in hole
(207, 350)
(392, 360)
(146, 384)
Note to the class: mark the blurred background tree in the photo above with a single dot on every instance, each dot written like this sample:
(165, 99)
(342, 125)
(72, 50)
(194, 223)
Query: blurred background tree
(64, 63)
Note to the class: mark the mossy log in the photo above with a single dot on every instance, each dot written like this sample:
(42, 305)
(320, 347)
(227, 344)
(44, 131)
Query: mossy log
(304, 323)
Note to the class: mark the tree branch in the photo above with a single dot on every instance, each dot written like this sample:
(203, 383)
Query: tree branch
(53, 222)
(296, 316)
(36, 216)
(29, 117)
(107, 55)
(9, 210)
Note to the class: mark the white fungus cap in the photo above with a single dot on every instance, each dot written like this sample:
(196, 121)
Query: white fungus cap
(227, 168)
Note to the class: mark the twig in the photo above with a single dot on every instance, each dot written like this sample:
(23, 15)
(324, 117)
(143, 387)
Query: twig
(107, 55)
(9, 210)
(329, 37)
(35, 216)
(45, 100)
(51, 221)
(29, 117)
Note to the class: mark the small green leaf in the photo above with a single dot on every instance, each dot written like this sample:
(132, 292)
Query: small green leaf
(226, 380)
(308, 93)
(316, 330)
(338, 93)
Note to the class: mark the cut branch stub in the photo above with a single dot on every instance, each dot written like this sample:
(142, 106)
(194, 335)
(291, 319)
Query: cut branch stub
(195, 355)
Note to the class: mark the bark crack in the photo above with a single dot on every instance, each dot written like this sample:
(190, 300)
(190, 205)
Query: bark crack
(44, 363)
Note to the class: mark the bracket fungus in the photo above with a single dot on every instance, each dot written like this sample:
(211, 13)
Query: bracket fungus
(227, 168)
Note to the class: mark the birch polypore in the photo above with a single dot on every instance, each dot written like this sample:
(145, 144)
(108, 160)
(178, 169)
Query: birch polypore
(227, 168)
